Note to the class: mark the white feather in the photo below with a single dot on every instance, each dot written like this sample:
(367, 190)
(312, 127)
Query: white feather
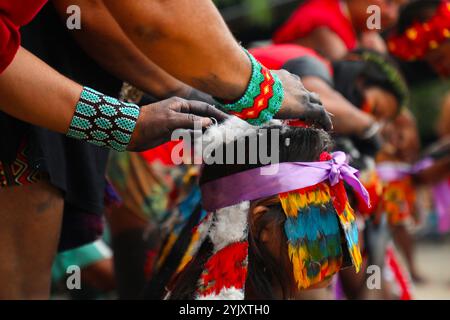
(230, 225)
(225, 294)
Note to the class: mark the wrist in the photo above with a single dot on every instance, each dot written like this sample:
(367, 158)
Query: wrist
(262, 98)
(370, 131)
(103, 121)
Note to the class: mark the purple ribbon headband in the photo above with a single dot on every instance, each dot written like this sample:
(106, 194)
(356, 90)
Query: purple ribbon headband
(393, 171)
(251, 184)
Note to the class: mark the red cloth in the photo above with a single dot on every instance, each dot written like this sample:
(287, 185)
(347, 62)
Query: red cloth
(314, 14)
(13, 15)
(275, 56)
(162, 153)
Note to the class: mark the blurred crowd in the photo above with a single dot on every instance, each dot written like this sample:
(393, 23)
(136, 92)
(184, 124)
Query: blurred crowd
(136, 222)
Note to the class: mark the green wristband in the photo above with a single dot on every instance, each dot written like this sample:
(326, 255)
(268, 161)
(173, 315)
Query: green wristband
(262, 98)
(104, 121)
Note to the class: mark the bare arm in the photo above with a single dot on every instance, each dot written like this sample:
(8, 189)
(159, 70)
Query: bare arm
(33, 92)
(326, 42)
(104, 40)
(189, 39)
(347, 118)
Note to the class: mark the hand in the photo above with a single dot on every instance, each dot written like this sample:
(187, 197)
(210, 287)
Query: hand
(370, 142)
(301, 104)
(157, 121)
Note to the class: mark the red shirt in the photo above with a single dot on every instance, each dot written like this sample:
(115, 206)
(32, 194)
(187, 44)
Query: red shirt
(274, 57)
(13, 15)
(314, 14)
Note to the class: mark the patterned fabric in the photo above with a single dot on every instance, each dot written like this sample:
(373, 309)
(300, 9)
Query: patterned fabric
(262, 99)
(103, 120)
(225, 273)
(398, 201)
(180, 215)
(148, 189)
(313, 228)
(374, 186)
(420, 38)
(19, 173)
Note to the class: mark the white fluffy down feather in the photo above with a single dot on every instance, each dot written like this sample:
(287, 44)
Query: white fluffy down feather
(225, 294)
(230, 130)
(230, 225)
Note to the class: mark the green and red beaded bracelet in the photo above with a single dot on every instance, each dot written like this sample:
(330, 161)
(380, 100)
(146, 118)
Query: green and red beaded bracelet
(262, 98)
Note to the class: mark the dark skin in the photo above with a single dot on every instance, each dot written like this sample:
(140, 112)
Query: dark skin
(102, 38)
(347, 119)
(36, 209)
(55, 113)
(218, 66)
(383, 104)
(269, 236)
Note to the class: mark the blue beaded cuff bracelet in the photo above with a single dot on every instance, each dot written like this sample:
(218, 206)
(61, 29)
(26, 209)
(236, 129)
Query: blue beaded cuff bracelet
(103, 120)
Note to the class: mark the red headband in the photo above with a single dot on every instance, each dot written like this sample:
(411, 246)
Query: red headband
(421, 37)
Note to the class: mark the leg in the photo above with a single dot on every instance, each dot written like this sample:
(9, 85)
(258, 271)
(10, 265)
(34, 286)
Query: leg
(130, 250)
(30, 222)
(405, 243)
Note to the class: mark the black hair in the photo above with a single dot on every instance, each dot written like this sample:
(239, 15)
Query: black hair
(364, 68)
(295, 144)
(416, 11)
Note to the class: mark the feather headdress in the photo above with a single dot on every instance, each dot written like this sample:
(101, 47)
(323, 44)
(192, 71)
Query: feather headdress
(319, 219)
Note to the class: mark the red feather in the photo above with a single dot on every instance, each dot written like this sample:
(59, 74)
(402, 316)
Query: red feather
(226, 269)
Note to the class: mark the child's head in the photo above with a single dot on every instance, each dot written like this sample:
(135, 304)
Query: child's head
(295, 239)
(372, 82)
(423, 33)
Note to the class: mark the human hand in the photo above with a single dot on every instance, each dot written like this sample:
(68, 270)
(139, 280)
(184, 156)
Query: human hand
(157, 121)
(299, 103)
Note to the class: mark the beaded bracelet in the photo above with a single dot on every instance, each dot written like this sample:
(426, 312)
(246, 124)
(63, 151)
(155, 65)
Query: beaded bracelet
(103, 120)
(262, 99)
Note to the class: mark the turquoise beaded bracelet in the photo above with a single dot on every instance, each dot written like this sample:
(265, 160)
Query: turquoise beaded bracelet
(104, 121)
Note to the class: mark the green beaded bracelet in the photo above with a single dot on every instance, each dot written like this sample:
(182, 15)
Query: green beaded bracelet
(262, 98)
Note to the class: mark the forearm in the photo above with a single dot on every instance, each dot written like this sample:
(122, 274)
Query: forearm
(190, 40)
(326, 42)
(35, 93)
(347, 118)
(102, 39)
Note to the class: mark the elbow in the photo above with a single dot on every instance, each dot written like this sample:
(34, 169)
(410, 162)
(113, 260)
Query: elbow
(155, 23)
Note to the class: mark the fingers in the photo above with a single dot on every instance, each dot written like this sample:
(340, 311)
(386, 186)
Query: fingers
(320, 117)
(188, 121)
(199, 108)
(314, 98)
